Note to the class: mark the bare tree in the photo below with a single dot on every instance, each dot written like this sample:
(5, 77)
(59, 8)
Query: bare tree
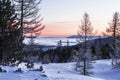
(85, 32)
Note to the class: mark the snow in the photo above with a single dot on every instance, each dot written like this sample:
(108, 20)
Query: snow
(104, 70)
(62, 71)
(25, 75)
(65, 71)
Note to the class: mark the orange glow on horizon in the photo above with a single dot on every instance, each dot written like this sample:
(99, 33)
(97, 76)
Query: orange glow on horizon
(64, 29)
(59, 29)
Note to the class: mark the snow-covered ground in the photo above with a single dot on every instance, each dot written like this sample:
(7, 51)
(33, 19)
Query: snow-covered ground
(62, 71)
(104, 70)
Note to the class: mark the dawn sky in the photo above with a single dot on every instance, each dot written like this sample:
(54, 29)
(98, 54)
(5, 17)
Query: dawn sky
(62, 17)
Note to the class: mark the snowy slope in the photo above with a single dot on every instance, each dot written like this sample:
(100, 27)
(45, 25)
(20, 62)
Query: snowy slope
(65, 71)
(103, 69)
(62, 71)
(25, 75)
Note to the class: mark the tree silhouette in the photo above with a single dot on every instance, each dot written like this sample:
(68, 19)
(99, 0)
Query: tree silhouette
(29, 16)
(9, 31)
(28, 12)
(114, 28)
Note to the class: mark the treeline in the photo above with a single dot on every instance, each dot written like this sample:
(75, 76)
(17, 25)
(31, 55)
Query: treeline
(100, 49)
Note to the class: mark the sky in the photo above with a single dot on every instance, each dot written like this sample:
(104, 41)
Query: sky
(62, 17)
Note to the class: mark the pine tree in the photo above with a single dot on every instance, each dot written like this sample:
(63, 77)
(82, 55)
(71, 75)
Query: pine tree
(85, 30)
(98, 48)
(59, 44)
(59, 50)
(68, 43)
(9, 36)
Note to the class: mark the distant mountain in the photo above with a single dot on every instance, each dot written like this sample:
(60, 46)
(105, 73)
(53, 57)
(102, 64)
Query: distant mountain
(30, 36)
(76, 36)
(98, 41)
(73, 36)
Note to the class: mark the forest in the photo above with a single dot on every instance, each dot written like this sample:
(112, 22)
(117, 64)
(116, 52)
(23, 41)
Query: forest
(21, 19)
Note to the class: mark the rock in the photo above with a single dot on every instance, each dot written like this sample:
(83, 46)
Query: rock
(19, 70)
